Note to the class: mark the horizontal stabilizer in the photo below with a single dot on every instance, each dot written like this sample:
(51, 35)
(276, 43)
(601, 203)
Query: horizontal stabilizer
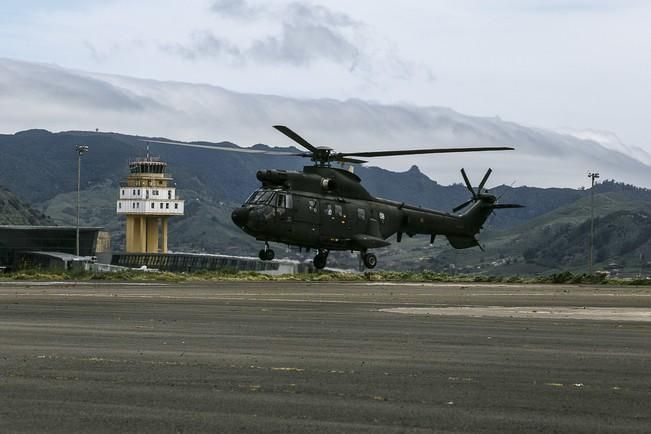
(369, 242)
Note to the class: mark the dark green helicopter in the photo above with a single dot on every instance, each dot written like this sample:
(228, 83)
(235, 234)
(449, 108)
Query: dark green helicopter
(326, 208)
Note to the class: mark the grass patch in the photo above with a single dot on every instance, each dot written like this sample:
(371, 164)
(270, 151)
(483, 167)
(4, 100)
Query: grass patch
(230, 275)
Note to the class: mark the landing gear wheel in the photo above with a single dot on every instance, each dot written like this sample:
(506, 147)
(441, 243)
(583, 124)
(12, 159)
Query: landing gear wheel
(266, 254)
(320, 260)
(370, 260)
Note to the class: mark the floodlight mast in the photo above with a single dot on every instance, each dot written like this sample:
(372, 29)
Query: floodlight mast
(592, 176)
(81, 150)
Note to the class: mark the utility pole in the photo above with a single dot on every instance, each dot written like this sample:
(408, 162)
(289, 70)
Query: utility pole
(592, 176)
(81, 150)
(641, 265)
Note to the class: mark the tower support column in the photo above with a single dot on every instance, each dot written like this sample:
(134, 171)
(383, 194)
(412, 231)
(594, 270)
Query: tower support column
(130, 233)
(142, 248)
(152, 234)
(164, 234)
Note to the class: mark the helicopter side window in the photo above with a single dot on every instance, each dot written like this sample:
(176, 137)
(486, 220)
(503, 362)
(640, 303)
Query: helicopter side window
(329, 212)
(381, 215)
(313, 206)
(285, 201)
(339, 212)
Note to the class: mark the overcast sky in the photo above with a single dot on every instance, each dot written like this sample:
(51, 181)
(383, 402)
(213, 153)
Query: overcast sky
(549, 63)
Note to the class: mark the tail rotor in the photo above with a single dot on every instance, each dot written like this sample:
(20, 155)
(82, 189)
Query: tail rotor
(481, 195)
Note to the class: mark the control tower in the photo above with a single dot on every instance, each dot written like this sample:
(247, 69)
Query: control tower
(148, 199)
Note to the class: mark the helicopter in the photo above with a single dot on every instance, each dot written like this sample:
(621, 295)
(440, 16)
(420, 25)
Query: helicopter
(325, 208)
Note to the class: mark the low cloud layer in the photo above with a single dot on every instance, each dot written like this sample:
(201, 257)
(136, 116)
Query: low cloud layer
(552, 63)
(50, 97)
(307, 33)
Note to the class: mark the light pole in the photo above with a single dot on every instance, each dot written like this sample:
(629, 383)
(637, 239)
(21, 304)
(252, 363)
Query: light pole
(592, 176)
(81, 150)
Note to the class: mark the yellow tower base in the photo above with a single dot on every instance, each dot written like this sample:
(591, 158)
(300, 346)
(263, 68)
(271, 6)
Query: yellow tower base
(143, 234)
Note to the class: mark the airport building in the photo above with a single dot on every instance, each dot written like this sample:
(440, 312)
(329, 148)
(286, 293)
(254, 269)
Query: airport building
(148, 199)
(51, 246)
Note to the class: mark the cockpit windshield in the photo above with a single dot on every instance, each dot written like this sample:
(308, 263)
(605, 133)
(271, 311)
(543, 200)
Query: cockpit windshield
(261, 197)
(275, 198)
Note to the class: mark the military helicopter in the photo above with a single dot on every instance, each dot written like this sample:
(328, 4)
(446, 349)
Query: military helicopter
(325, 208)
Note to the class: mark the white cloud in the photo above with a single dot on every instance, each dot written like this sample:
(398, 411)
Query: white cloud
(84, 101)
(308, 33)
(551, 63)
(290, 45)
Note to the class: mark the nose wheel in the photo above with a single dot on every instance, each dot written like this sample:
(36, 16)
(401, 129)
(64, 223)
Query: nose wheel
(266, 254)
(320, 259)
(369, 259)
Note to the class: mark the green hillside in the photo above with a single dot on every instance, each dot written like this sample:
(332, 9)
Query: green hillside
(15, 212)
(559, 240)
(213, 183)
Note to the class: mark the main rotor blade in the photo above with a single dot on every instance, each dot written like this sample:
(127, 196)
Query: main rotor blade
(423, 151)
(340, 159)
(223, 148)
(484, 179)
(463, 205)
(468, 184)
(507, 206)
(295, 137)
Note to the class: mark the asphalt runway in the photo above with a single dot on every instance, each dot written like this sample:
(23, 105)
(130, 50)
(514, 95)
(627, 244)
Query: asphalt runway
(323, 357)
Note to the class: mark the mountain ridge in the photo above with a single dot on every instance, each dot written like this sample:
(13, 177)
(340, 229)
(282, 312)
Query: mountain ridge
(62, 99)
(212, 183)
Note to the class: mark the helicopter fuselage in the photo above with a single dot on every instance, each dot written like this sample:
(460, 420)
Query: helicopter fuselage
(325, 208)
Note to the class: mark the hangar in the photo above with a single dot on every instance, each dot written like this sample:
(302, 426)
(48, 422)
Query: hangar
(25, 246)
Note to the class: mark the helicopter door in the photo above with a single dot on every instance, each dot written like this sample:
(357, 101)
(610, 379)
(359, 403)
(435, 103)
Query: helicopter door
(334, 221)
(306, 221)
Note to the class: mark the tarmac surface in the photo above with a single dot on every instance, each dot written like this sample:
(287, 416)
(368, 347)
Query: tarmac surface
(323, 357)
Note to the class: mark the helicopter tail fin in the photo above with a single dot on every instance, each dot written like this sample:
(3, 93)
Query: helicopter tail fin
(473, 222)
(482, 206)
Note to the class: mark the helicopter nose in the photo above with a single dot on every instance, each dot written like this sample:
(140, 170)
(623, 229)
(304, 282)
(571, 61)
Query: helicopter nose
(257, 218)
(240, 216)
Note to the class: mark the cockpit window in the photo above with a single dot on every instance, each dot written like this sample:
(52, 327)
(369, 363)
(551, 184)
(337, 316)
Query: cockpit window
(269, 198)
(252, 197)
(262, 197)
